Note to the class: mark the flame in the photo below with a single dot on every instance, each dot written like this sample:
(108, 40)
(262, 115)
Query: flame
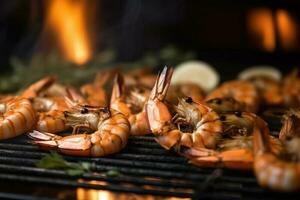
(261, 25)
(286, 29)
(68, 20)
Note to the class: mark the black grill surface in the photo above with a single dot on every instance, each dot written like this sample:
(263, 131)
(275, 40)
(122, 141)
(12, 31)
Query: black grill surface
(145, 169)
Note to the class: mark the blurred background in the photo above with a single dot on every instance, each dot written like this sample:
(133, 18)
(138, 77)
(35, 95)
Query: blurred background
(230, 35)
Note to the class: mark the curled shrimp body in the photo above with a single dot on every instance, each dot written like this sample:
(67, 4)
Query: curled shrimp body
(223, 105)
(17, 117)
(185, 90)
(193, 125)
(278, 172)
(140, 76)
(269, 89)
(95, 93)
(49, 110)
(235, 149)
(291, 89)
(111, 131)
(34, 89)
(130, 101)
(239, 90)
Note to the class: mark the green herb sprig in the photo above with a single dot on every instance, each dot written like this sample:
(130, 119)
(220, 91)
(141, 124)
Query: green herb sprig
(55, 161)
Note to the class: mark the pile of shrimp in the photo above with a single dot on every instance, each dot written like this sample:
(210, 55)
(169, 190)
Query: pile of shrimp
(221, 128)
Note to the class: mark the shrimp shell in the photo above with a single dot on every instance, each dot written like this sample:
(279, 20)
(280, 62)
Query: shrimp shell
(17, 117)
(241, 91)
(110, 136)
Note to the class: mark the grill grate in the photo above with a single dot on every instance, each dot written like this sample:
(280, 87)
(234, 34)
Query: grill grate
(145, 168)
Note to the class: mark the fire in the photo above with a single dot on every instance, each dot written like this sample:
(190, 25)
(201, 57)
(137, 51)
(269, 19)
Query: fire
(262, 27)
(286, 29)
(264, 24)
(67, 19)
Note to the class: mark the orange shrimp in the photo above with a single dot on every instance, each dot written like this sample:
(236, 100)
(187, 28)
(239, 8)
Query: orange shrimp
(35, 89)
(49, 110)
(291, 89)
(278, 172)
(95, 93)
(111, 132)
(193, 126)
(130, 101)
(269, 89)
(234, 149)
(239, 90)
(140, 76)
(223, 105)
(17, 117)
(185, 90)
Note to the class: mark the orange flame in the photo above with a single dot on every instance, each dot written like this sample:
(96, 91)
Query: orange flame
(262, 27)
(262, 23)
(286, 29)
(67, 19)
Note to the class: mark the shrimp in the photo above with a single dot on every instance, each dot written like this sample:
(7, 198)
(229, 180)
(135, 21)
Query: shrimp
(111, 132)
(223, 105)
(269, 89)
(185, 90)
(278, 172)
(49, 110)
(17, 117)
(291, 89)
(140, 76)
(41, 85)
(234, 149)
(194, 125)
(239, 90)
(130, 101)
(95, 93)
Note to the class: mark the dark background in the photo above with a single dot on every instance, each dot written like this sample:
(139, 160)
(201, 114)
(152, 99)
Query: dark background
(215, 30)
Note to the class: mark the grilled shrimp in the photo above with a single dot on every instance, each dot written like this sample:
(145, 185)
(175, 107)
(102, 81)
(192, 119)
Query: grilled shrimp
(291, 89)
(184, 90)
(95, 93)
(223, 105)
(36, 88)
(269, 89)
(234, 149)
(239, 90)
(130, 101)
(49, 110)
(111, 131)
(193, 125)
(140, 76)
(279, 172)
(17, 117)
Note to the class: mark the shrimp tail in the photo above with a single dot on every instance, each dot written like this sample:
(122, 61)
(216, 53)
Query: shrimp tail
(162, 84)
(118, 88)
(77, 145)
(34, 89)
(44, 136)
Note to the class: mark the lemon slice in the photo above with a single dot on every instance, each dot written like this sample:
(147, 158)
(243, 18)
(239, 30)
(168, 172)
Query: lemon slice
(196, 72)
(261, 70)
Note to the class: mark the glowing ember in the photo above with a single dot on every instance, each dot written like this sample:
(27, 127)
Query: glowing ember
(67, 20)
